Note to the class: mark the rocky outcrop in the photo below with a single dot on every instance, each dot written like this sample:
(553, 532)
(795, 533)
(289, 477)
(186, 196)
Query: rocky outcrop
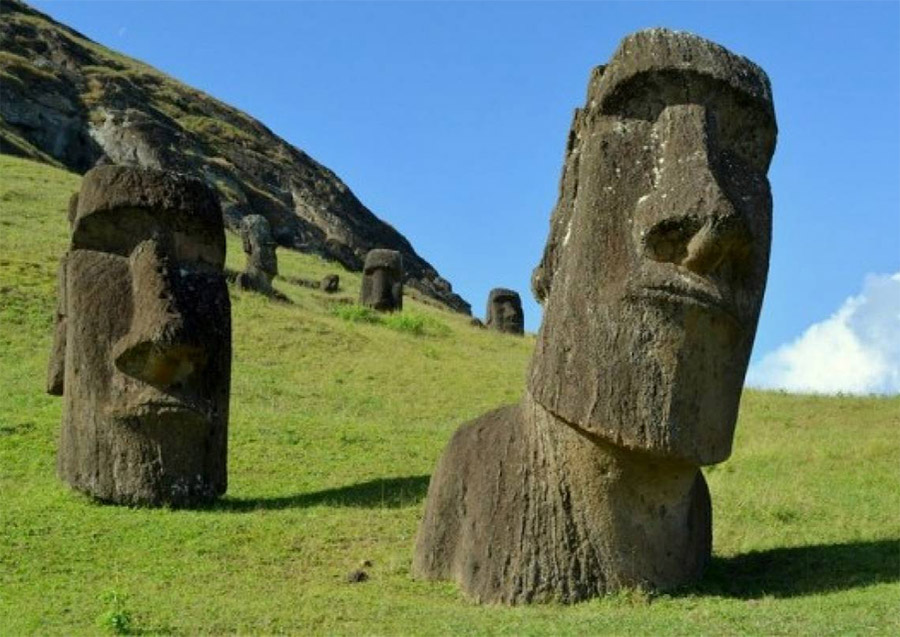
(69, 101)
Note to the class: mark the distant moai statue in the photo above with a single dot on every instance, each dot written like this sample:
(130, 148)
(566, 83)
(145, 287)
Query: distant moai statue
(142, 352)
(652, 281)
(504, 311)
(382, 284)
(330, 283)
(262, 261)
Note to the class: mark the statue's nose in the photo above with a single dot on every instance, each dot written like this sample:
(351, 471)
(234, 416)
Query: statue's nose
(719, 240)
(690, 219)
(159, 348)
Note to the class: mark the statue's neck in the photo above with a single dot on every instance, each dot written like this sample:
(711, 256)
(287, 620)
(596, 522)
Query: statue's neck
(646, 514)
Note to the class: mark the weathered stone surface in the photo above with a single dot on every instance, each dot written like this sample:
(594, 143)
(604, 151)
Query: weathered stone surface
(73, 209)
(652, 281)
(382, 284)
(146, 326)
(330, 283)
(56, 367)
(504, 311)
(672, 161)
(259, 248)
(523, 508)
(68, 101)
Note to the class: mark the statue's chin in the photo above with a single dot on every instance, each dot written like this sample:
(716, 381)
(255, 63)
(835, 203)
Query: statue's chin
(649, 376)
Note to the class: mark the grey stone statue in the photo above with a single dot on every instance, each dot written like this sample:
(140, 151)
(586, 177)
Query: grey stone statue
(262, 261)
(330, 283)
(143, 342)
(652, 281)
(382, 284)
(504, 311)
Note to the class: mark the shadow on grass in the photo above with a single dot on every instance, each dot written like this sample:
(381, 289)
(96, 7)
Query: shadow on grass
(383, 493)
(802, 570)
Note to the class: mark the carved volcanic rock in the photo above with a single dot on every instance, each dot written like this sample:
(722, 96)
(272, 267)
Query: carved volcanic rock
(143, 340)
(69, 102)
(652, 281)
(504, 311)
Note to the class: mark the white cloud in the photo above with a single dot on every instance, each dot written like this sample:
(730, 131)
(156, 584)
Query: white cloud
(855, 351)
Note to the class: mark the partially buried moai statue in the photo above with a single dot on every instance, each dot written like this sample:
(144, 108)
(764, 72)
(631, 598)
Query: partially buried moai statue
(382, 284)
(330, 283)
(143, 344)
(504, 311)
(262, 261)
(652, 280)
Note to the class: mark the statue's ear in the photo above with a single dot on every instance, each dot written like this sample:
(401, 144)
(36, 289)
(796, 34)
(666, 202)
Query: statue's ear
(73, 209)
(56, 368)
(561, 218)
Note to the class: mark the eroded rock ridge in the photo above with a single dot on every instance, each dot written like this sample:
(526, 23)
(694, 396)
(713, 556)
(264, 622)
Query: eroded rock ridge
(71, 102)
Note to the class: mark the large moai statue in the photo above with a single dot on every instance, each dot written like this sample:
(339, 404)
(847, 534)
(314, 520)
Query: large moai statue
(504, 311)
(652, 282)
(262, 261)
(144, 340)
(382, 284)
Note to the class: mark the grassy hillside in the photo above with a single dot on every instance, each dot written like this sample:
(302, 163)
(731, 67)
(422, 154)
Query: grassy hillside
(67, 101)
(335, 427)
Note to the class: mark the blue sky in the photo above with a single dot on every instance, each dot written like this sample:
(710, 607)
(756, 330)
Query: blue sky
(449, 119)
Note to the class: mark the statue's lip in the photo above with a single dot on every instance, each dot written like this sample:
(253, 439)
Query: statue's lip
(702, 295)
(159, 409)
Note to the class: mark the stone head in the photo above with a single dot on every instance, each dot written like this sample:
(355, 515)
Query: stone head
(259, 246)
(504, 311)
(654, 271)
(147, 339)
(382, 284)
(330, 283)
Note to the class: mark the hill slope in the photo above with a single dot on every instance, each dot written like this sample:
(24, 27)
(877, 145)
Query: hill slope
(335, 427)
(67, 101)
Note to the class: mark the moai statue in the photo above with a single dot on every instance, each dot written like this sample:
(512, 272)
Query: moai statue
(382, 284)
(144, 340)
(262, 262)
(330, 283)
(504, 311)
(652, 281)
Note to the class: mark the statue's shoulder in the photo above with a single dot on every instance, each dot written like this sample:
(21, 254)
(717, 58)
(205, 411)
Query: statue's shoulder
(480, 436)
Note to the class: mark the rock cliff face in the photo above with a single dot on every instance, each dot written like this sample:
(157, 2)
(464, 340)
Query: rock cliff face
(69, 101)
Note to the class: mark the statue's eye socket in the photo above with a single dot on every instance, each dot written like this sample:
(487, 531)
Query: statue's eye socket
(750, 142)
(743, 131)
(197, 251)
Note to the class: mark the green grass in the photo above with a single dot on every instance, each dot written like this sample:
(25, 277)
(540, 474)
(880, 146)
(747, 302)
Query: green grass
(409, 321)
(335, 426)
